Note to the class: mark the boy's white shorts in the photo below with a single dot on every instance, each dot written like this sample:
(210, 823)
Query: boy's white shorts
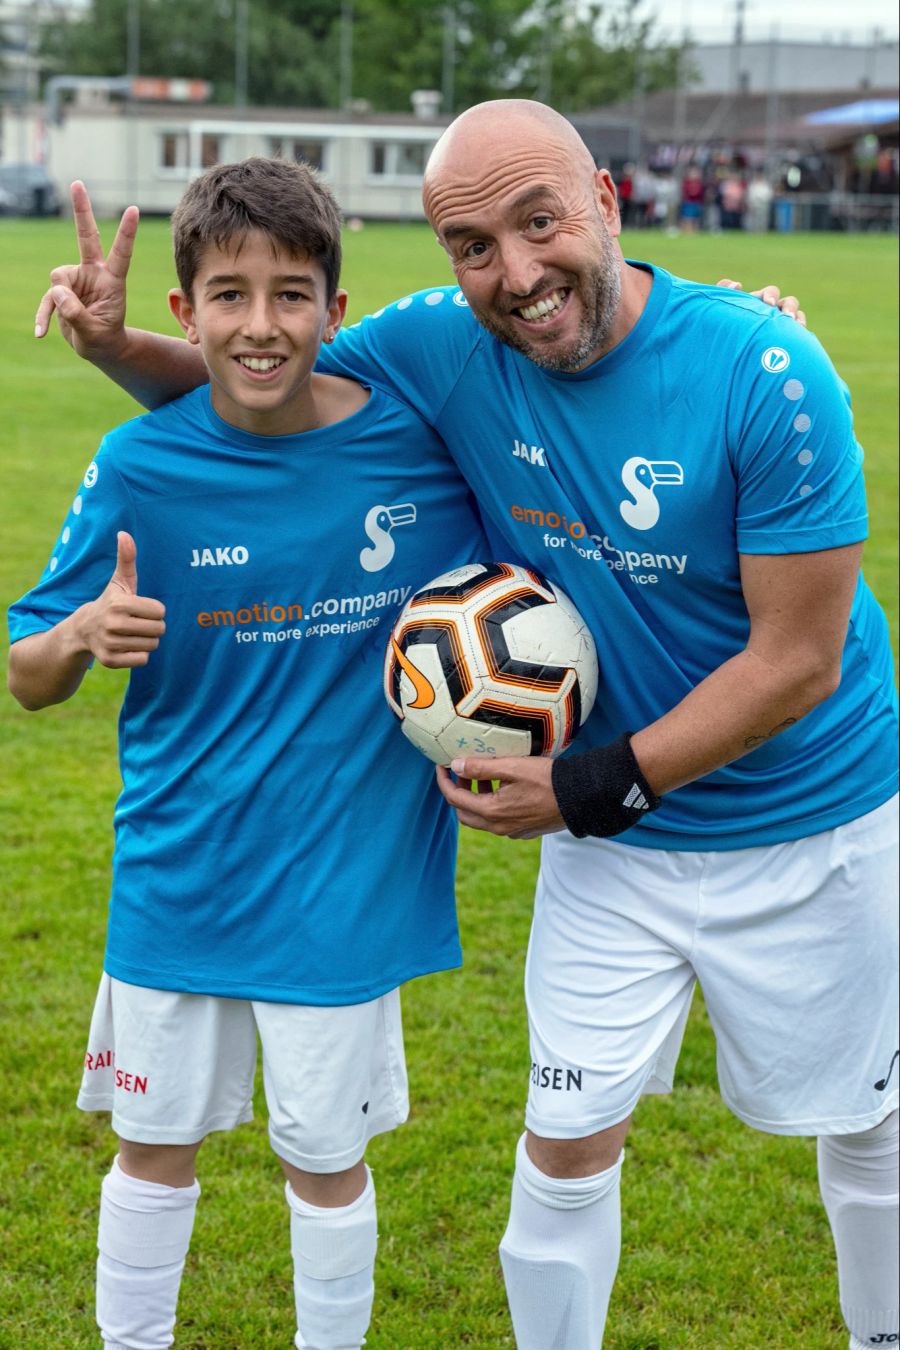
(172, 1067)
(794, 946)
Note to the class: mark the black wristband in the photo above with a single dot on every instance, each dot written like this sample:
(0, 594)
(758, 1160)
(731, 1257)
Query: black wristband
(603, 791)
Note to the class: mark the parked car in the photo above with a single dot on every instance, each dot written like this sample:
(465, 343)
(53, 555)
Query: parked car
(27, 190)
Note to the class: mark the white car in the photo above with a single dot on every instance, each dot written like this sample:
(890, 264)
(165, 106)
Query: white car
(27, 190)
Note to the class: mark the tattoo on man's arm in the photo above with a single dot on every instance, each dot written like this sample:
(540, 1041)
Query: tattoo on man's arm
(752, 742)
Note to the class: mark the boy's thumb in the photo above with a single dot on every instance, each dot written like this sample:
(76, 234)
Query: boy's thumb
(126, 562)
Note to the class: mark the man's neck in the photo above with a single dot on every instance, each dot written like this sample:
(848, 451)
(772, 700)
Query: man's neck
(637, 284)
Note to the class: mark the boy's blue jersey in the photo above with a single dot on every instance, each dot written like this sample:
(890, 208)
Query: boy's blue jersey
(276, 836)
(716, 428)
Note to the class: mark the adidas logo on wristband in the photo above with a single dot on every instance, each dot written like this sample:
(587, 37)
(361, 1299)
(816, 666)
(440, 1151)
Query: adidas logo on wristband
(588, 790)
(636, 799)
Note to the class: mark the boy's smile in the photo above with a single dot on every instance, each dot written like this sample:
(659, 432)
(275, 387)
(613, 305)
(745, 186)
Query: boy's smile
(259, 315)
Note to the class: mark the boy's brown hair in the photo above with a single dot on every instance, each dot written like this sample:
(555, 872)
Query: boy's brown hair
(284, 200)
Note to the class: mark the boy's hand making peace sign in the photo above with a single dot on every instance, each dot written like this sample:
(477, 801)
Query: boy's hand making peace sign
(88, 297)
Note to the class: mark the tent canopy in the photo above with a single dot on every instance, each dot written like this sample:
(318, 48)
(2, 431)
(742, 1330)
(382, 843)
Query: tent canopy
(867, 112)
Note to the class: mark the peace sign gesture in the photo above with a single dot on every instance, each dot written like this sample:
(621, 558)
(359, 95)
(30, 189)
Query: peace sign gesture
(89, 297)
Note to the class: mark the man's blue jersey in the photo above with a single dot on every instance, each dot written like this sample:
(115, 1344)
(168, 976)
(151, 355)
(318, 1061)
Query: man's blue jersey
(717, 427)
(276, 836)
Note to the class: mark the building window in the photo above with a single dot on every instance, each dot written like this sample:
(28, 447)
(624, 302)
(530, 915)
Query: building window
(399, 159)
(179, 151)
(173, 150)
(209, 151)
(304, 152)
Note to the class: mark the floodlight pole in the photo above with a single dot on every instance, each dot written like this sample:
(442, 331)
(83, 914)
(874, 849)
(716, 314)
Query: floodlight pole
(23, 92)
(345, 79)
(133, 65)
(680, 108)
(133, 39)
(545, 67)
(241, 45)
(871, 57)
(773, 107)
(449, 71)
(636, 130)
(736, 51)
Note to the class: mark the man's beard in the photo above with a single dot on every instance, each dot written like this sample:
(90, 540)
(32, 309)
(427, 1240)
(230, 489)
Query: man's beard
(601, 291)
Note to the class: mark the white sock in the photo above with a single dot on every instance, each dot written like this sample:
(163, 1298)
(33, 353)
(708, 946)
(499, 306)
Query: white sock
(560, 1253)
(858, 1180)
(334, 1270)
(143, 1238)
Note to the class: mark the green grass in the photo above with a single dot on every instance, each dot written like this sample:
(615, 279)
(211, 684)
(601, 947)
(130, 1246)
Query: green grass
(725, 1243)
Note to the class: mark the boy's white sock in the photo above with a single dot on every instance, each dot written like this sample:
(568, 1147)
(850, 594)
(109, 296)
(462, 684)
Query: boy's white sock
(143, 1239)
(560, 1253)
(334, 1270)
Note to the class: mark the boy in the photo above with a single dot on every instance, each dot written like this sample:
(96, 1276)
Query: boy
(241, 551)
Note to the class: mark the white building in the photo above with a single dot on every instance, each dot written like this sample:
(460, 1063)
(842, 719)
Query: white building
(788, 66)
(146, 153)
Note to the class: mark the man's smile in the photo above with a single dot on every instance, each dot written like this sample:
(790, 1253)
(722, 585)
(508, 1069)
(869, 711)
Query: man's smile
(545, 310)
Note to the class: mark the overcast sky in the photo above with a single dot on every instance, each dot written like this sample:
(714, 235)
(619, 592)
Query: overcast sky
(713, 20)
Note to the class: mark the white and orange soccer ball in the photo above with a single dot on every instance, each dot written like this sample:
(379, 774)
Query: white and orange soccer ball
(490, 659)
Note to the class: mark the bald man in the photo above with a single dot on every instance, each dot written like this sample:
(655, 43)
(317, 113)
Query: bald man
(724, 579)
(681, 460)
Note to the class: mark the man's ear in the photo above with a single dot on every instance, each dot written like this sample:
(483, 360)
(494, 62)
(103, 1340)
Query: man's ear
(334, 315)
(607, 201)
(181, 306)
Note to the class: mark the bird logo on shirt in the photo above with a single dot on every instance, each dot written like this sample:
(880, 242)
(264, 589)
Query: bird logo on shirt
(379, 523)
(642, 477)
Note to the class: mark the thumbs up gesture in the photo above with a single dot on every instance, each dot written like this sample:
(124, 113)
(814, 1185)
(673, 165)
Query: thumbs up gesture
(120, 628)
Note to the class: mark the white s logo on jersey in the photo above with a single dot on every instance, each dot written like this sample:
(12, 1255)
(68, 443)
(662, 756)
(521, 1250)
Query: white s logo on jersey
(379, 523)
(641, 477)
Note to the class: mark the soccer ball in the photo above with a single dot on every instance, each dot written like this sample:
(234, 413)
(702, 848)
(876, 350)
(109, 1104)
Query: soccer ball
(490, 659)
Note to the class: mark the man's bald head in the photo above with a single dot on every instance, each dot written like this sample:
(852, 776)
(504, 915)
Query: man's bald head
(513, 195)
(512, 132)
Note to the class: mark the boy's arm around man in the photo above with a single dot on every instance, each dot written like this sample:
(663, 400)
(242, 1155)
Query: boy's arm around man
(88, 299)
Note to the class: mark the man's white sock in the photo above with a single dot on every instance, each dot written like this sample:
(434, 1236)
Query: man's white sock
(560, 1253)
(858, 1180)
(334, 1270)
(143, 1239)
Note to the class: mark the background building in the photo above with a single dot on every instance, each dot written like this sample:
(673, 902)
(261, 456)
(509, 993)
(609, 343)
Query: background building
(795, 67)
(817, 118)
(130, 150)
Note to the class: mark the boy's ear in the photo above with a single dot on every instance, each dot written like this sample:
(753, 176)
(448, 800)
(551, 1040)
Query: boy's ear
(335, 316)
(181, 307)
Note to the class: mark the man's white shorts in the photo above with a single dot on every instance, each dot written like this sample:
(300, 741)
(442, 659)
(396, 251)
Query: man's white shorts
(794, 946)
(173, 1067)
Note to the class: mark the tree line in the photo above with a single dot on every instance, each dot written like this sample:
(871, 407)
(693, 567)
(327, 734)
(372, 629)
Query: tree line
(328, 53)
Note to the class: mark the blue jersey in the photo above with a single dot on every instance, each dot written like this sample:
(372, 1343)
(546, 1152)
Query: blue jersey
(276, 836)
(717, 427)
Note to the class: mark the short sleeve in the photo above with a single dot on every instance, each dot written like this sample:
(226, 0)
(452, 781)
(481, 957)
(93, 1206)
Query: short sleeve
(84, 556)
(797, 462)
(415, 348)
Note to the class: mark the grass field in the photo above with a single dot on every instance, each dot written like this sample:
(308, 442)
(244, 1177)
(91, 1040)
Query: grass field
(725, 1243)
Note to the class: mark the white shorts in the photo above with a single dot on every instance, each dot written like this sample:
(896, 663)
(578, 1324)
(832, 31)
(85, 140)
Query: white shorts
(794, 946)
(173, 1067)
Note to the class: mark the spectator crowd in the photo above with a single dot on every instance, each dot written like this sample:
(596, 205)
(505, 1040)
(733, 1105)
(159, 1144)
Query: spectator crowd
(718, 191)
(712, 198)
